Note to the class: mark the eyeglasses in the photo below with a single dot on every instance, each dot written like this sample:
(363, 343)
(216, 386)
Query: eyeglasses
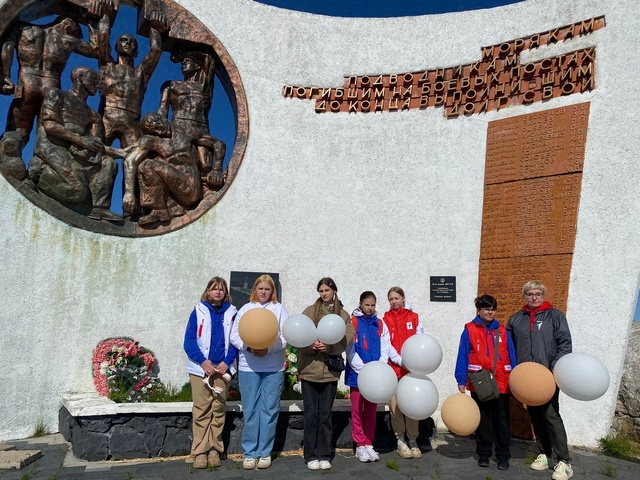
(488, 309)
(534, 295)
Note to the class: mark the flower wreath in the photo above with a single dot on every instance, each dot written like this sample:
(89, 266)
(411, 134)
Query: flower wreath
(123, 370)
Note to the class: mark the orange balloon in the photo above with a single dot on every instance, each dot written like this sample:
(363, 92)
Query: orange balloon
(531, 383)
(258, 328)
(460, 414)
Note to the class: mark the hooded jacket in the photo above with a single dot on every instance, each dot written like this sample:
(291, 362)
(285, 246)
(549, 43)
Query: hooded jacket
(197, 338)
(358, 354)
(544, 342)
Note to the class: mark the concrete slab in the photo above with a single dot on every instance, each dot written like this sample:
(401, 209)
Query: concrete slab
(17, 459)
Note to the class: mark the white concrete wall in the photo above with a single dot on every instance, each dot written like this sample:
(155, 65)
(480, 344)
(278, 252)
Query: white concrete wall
(371, 200)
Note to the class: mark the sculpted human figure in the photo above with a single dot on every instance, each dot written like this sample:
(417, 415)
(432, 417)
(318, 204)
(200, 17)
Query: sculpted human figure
(165, 164)
(190, 102)
(70, 162)
(123, 85)
(42, 52)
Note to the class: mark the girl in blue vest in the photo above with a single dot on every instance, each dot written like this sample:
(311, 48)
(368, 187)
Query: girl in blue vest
(370, 342)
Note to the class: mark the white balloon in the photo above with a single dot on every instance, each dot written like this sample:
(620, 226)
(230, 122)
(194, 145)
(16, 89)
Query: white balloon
(377, 382)
(299, 330)
(331, 329)
(421, 354)
(417, 396)
(581, 376)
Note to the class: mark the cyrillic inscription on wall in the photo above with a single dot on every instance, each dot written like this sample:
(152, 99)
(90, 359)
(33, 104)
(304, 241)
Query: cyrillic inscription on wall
(533, 176)
(497, 81)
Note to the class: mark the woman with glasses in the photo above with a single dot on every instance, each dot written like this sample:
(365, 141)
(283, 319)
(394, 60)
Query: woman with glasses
(475, 353)
(210, 364)
(541, 334)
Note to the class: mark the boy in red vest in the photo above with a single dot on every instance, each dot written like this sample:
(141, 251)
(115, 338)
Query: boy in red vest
(476, 352)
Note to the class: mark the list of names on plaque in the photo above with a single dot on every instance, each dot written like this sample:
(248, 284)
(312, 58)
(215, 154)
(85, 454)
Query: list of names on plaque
(530, 217)
(503, 278)
(539, 144)
(533, 177)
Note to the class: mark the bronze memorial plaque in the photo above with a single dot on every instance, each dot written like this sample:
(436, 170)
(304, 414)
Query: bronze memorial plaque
(539, 144)
(533, 177)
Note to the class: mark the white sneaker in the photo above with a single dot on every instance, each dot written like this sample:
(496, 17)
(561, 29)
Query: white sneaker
(403, 450)
(325, 465)
(562, 471)
(540, 463)
(249, 463)
(373, 455)
(264, 462)
(415, 450)
(362, 454)
(313, 465)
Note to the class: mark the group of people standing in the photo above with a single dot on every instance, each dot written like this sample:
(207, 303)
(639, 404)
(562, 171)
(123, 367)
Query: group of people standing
(537, 333)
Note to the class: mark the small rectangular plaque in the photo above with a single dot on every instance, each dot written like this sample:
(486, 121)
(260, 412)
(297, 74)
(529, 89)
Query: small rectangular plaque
(241, 283)
(443, 289)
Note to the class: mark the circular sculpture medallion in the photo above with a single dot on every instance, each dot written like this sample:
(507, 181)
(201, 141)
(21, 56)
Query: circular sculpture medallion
(172, 168)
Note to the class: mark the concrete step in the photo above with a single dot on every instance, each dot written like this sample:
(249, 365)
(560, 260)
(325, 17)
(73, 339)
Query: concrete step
(17, 459)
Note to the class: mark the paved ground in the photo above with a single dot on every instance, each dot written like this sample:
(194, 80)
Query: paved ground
(453, 458)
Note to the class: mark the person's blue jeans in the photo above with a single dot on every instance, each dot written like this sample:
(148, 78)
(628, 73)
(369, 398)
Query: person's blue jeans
(260, 394)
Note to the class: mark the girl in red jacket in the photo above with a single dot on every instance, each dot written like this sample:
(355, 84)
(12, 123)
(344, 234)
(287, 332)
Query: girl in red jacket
(402, 322)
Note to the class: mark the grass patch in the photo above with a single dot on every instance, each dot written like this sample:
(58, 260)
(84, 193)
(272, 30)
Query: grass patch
(392, 464)
(620, 446)
(342, 394)
(40, 429)
(530, 457)
(171, 393)
(609, 469)
(436, 474)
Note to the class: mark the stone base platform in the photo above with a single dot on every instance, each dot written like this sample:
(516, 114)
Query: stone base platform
(99, 429)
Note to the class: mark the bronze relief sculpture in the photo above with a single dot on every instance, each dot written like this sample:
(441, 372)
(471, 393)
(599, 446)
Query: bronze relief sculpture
(173, 167)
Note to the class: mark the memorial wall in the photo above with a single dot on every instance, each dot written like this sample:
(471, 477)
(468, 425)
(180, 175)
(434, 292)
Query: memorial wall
(482, 148)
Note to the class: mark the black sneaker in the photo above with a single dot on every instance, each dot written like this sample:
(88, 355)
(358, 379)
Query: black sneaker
(483, 461)
(503, 464)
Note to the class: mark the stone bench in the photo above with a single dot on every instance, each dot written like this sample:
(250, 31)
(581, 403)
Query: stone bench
(100, 429)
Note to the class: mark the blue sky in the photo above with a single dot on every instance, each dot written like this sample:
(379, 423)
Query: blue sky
(389, 8)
